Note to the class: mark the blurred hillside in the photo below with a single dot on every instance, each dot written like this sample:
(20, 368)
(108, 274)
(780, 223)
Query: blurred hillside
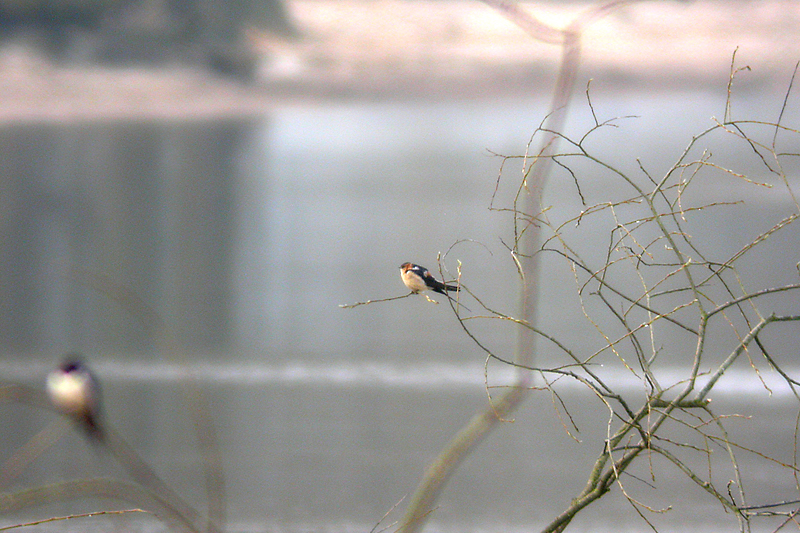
(123, 57)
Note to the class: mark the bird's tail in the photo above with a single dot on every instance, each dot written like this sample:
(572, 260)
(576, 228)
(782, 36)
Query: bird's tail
(457, 302)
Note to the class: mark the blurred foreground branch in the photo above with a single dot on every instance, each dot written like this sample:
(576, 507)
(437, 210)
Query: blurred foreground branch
(525, 243)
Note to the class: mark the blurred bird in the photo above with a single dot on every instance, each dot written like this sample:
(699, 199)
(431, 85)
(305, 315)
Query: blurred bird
(74, 391)
(418, 279)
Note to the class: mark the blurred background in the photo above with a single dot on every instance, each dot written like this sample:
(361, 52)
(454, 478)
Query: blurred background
(241, 169)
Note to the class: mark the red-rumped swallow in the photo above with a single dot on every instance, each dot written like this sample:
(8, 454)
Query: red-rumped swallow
(74, 391)
(418, 279)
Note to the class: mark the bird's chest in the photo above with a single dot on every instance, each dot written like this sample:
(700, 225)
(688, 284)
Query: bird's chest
(414, 281)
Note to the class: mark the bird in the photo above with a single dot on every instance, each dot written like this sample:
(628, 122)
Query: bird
(74, 391)
(419, 279)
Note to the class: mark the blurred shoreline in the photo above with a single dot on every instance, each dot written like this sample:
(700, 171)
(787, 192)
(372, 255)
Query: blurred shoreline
(401, 49)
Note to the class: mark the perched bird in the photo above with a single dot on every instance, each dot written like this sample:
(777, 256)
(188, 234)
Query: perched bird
(418, 279)
(74, 391)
